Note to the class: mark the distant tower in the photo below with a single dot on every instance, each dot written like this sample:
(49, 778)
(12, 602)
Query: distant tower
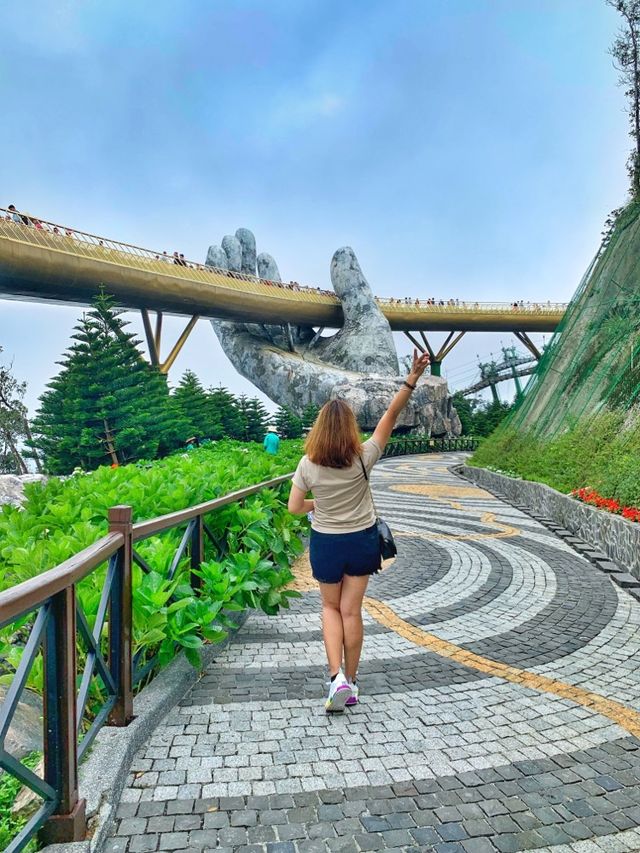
(489, 371)
(511, 359)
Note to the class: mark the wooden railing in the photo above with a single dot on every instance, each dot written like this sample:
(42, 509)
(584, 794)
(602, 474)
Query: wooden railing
(47, 607)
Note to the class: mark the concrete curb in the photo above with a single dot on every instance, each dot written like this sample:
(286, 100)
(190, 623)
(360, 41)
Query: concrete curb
(104, 772)
(608, 541)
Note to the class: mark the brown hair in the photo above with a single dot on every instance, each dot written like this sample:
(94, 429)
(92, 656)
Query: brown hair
(334, 440)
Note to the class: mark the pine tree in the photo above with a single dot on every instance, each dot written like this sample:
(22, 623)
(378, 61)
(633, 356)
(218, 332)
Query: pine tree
(288, 424)
(254, 417)
(309, 415)
(196, 408)
(225, 409)
(107, 405)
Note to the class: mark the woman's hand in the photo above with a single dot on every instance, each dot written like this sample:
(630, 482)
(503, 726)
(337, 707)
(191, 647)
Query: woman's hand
(387, 422)
(420, 364)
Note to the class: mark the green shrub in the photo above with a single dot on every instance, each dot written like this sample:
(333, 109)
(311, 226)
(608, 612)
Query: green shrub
(10, 824)
(248, 567)
(602, 453)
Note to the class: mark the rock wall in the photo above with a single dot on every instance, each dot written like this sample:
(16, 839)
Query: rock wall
(617, 537)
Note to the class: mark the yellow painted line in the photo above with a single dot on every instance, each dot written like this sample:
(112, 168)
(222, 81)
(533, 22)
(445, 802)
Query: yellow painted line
(627, 718)
(446, 494)
(442, 490)
(505, 531)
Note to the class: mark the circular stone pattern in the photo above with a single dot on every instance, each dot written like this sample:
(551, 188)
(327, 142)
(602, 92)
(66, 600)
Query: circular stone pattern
(500, 703)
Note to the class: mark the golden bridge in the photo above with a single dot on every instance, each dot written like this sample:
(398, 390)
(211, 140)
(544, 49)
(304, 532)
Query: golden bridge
(42, 261)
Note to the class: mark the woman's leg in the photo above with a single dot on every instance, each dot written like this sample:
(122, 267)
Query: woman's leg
(332, 624)
(353, 590)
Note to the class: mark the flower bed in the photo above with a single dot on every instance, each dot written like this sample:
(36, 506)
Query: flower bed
(590, 496)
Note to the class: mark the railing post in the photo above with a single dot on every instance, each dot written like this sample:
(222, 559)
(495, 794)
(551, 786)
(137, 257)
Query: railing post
(68, 823)
(196, 550)
(121, 619)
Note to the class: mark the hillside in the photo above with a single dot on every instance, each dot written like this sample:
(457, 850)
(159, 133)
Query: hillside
(593, 361)
(579, 420)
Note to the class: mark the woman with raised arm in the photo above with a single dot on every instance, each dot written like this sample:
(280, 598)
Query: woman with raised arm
(344, 548)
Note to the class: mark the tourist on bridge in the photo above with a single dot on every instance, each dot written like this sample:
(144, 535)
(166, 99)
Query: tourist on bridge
(15, 216)
(271, 441)
(20, 218)
(344, 548)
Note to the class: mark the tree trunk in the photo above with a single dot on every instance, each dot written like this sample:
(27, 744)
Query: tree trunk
(36, 457)
(16, 454)
(109, 443)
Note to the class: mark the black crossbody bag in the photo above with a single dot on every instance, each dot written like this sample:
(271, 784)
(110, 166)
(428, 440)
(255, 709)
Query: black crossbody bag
(385, 536)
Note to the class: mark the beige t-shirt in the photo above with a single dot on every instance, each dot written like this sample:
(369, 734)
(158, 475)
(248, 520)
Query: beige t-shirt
(342, 500)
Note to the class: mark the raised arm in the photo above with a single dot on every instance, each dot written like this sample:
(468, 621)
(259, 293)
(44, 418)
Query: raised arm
(387, 422)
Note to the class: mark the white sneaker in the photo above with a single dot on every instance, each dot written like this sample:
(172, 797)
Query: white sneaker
(353, 700)
(339, 693)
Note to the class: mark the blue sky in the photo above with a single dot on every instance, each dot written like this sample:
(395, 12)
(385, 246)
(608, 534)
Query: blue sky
(466, 148)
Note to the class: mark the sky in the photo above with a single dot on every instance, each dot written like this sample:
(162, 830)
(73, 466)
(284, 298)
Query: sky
(463, 148)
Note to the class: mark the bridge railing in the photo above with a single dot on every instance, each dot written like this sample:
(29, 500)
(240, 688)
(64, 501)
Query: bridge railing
(466, 307)
(73, 656)
(60, 238)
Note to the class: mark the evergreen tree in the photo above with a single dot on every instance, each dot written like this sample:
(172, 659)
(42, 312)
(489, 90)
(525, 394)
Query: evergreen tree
(196, 408)
(288, 424)
(465, 407)
(489, 416)
(479, 417)
(254, 418)
(309, 415)
(107, 405)
(258, 420)
(225, 411)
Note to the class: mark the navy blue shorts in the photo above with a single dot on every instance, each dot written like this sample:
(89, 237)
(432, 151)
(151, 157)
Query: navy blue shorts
(333, 555)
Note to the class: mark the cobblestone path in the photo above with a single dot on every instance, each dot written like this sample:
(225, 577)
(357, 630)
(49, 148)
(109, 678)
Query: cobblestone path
(500, 704)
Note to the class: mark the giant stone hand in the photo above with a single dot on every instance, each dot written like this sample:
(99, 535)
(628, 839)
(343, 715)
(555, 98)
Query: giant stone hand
(295, 366)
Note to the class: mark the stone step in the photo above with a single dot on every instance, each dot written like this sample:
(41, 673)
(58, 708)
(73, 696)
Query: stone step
(625, 580)
(610, 567)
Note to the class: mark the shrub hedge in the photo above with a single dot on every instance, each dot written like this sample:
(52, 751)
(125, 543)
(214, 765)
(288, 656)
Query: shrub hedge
(257, 541)
(601, 453)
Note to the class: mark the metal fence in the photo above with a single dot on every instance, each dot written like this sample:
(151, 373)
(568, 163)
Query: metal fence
(47, 612)
(404, 446)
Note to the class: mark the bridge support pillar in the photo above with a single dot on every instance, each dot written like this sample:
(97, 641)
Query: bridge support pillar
(436, 357)
(153, 340)
(524, 338)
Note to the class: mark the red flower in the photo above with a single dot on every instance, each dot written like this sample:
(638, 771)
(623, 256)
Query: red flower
(591, 497)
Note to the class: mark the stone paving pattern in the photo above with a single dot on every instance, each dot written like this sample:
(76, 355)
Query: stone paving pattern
(441, 754)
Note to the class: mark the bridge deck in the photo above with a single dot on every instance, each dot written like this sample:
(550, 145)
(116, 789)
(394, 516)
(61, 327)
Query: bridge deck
(43, 265)
(500, 694)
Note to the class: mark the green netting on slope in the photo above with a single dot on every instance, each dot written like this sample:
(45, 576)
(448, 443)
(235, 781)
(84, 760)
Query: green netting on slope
(593, 360)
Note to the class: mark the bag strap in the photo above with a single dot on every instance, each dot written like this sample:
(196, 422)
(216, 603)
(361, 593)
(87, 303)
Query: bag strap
(364, 471)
